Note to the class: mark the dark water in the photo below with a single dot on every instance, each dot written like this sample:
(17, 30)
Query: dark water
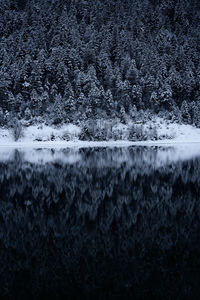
(100, 223)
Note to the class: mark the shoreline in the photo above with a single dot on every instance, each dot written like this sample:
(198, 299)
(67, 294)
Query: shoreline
(69, 136)
(94, 144)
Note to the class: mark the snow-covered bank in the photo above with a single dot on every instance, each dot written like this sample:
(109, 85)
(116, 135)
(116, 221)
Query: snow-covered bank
(92, 144)
(69, 135)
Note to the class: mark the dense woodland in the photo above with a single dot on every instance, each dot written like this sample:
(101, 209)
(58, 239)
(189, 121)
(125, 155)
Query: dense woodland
(72, 60)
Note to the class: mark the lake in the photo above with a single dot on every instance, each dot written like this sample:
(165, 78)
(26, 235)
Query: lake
(103, 223)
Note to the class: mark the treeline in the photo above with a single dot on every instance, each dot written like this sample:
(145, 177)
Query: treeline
(74, 60)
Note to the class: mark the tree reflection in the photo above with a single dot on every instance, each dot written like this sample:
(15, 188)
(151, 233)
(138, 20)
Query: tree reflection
(111, 224)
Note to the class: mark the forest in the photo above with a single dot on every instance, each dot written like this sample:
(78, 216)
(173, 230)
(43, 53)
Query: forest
(67, 61)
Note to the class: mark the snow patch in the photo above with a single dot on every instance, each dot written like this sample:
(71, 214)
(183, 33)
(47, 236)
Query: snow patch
(43, 133)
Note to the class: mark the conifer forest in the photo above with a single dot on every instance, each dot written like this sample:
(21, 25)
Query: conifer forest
(72, 60)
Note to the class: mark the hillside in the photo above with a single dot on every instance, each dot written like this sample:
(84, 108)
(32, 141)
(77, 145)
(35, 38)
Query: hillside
(73, 61)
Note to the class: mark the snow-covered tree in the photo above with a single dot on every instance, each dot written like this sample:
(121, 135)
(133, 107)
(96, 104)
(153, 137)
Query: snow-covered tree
(109, 102)
(34, 101)
(57, 114)
(185, 112)
(94, 97)
(53, 92)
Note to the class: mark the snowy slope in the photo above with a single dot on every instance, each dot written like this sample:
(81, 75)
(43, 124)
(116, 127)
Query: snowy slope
(180, 133)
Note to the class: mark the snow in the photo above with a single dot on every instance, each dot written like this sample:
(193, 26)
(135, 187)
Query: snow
(37, 142)
(43, 136)
(179, 132)
(46, 133)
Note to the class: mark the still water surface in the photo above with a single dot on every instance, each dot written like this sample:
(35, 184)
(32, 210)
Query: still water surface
(100, 223)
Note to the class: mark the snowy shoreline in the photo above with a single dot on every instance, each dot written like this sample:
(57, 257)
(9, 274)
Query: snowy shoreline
(68, 136)
(94, 144)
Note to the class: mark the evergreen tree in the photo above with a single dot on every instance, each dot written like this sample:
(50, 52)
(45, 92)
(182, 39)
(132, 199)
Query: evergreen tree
(185, 112)
(1, 117)
(195, 107)
(18, 102)
(70, 107)
(94, 97)
(109, 103)
(53, 92)
(11, 102)
(165, 95)
(34, 101)
(136, 96)
(57, 114)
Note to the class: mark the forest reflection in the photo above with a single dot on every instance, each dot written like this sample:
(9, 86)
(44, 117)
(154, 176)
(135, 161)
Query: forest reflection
(103, 222)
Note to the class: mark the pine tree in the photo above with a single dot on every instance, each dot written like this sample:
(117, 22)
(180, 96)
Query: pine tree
(185, 113)
(62, 77)
(34, 102)
(165, 95)
(1, 117)
(11, 102)
(68, 91)
(122, 115)
(53, 92)
(94, 98)
(18, 102)
(136, 96)
(70, 107)
(196, 113)
(57, 111)
(45, 100)
(36, 78)
(109, 103)
(109, 77)
(81, 101)
(192, 109)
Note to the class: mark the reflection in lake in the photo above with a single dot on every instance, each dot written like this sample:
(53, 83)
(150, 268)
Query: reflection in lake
(103, 223)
